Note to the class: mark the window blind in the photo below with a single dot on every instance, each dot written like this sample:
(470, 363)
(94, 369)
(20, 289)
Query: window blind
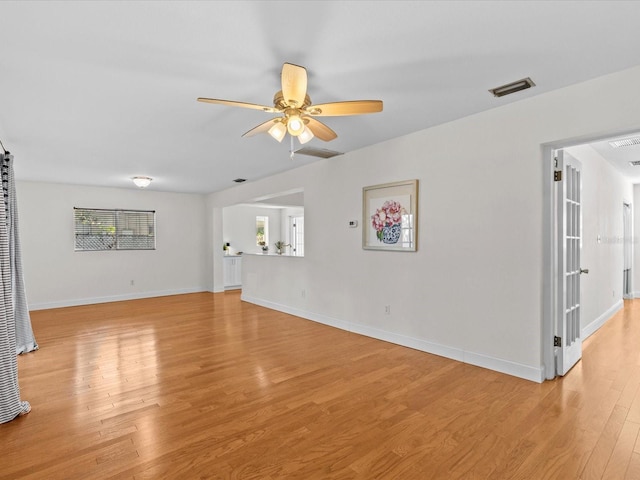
(103, 229)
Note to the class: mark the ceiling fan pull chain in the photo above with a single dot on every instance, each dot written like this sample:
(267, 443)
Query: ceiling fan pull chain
(291, 152)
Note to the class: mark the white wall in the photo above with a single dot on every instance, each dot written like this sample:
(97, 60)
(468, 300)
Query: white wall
(604, 190)
(239, 227)
(474, 289)
(56, 275)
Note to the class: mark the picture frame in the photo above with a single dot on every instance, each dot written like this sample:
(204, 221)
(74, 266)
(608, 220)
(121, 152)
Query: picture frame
(390, 216)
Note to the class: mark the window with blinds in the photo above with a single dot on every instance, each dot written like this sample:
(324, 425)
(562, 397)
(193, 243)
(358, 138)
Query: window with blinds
(100, 229)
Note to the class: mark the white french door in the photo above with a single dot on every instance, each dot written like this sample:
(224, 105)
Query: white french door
(297, 236)
(568, 340)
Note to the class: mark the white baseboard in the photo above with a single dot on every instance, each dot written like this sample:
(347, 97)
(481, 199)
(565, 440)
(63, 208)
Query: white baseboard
(112, 298)
(496, 364)
(593, 327)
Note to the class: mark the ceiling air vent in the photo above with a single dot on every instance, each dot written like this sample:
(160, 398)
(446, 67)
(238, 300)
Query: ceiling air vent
(512, 87)
(635, 163)
(318, 152)
(625, 142)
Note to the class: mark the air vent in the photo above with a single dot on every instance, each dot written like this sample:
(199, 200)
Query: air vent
(318, 152)
(625, 142)
(512, 87)
(635, 163)
(240, 180)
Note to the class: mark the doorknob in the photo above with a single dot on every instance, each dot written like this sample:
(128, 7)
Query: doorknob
(584, 270)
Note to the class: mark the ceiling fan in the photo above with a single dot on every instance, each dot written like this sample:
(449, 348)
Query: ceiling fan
(296, 112)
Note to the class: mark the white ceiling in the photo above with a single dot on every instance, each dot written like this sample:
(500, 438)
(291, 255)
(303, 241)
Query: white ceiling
(620, 157)
(95, 92)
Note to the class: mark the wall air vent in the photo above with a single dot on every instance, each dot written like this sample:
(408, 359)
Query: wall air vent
(625, 142)
(512, 87)
(318, 152)
(635, 163)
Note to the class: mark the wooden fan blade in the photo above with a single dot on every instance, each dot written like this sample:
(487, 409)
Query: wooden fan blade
(231, 103)
(294, 84)
(353, 107)
(319, 129)
(262, 128)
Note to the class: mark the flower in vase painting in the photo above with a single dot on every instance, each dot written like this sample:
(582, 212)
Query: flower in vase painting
(387, 221)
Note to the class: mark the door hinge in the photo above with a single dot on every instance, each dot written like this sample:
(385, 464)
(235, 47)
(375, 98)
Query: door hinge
(557, 341)
(557, 175)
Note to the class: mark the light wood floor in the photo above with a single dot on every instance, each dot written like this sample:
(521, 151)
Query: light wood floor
(205, 386)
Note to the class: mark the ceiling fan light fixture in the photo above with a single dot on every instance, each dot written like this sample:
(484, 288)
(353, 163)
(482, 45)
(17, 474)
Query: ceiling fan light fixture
(142, 182)
(305, 136)
(278, 131)
(296, 111)
(295, 125)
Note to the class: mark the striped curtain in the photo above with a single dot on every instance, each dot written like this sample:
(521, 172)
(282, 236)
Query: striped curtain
(10, 404)
(25, 340)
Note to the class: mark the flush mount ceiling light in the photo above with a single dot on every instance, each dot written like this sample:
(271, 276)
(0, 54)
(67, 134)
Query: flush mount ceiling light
(142, 182)
(625, 142)
(297, 113)
(512, 87)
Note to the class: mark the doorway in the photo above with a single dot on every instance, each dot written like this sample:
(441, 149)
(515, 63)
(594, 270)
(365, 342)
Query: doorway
(628, 253)
(601, 248)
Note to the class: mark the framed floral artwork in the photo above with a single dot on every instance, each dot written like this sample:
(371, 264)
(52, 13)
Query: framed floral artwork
(390, 216)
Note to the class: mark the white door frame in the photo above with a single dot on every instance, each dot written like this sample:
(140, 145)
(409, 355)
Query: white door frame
(548, 269)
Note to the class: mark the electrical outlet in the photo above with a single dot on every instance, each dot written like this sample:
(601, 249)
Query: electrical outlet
(387, 309)
(303, 293)
(133, 282)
